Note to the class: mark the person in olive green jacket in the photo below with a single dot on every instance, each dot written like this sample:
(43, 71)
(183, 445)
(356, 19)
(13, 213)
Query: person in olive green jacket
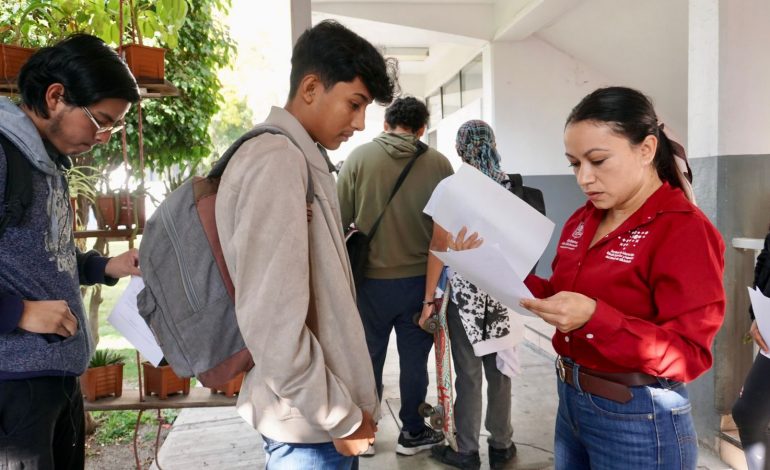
(394, 284)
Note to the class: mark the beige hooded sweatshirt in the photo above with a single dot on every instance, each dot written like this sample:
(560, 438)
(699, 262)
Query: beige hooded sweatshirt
(312, 374)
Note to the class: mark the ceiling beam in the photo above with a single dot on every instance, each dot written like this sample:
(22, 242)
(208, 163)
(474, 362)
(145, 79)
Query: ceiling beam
(531, 18)
(474, 20)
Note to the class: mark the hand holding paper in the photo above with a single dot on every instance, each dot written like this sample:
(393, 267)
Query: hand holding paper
(565, 310)
(514, 235)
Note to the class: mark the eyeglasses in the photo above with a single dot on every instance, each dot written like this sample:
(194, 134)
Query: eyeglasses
(102, 129)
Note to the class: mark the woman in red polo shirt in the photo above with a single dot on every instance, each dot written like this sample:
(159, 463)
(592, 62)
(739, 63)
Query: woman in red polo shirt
(636, 292)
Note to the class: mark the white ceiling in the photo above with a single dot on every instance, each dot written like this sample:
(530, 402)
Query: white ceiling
(643, 44)
(638, 44)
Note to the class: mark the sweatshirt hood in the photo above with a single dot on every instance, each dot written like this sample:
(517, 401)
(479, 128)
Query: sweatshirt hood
(398, 145)
(19, 129)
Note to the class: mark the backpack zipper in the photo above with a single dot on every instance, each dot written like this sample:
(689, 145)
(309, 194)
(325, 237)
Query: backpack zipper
(168, 223)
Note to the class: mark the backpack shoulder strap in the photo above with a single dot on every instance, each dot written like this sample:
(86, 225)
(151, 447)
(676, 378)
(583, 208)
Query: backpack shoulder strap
(219, 167)
(18, 186)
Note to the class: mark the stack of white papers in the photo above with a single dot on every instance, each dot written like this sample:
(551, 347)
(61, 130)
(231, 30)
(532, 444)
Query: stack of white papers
(515, 235)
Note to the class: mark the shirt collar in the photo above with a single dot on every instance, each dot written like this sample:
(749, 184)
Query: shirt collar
(283, 119)
(664, 199)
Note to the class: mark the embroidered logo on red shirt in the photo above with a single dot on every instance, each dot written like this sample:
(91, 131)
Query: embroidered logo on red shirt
(572, 242)
(627, 244)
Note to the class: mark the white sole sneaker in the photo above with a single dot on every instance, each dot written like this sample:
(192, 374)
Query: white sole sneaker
(401, 450)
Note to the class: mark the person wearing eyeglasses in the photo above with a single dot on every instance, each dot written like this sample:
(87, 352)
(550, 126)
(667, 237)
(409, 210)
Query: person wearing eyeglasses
(74, 96)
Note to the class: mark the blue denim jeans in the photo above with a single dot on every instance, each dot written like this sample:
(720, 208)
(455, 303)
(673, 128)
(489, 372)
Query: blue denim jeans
(385, 304)
(323, 456)
(652, 431)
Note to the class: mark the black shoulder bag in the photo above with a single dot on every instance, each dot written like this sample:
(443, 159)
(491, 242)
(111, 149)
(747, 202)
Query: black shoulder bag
(532, 196)
(357, 242)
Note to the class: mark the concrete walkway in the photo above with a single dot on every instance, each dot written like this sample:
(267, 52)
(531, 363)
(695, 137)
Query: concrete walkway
(217, 438)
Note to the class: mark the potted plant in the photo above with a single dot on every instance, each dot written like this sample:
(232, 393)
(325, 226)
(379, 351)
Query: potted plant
(148, 24)
(104, 376)
(230, 388)
(120, 208)
(162, 380)
(13, 53)
(82, 181)
(12, 58)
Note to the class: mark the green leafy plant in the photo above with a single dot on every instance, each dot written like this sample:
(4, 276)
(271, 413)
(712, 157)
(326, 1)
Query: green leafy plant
(176, 137)
(106, 357)
(44, 22)
(83, 181)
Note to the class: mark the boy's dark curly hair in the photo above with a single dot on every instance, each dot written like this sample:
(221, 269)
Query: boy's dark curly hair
(408, 112)
(337, 54)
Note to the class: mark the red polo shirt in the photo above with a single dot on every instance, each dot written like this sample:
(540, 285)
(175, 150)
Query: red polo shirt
(657, 282)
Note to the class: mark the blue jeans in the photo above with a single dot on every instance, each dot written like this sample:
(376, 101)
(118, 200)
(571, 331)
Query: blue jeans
(285, 456)
(385, 304)
(652, 431)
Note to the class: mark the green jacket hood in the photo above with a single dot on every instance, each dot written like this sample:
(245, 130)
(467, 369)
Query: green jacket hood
(398, 145)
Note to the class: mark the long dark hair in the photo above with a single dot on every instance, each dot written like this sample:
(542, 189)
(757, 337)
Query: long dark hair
(629, 113)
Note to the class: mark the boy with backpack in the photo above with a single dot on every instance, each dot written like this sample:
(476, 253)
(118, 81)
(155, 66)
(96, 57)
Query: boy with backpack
(311, 392)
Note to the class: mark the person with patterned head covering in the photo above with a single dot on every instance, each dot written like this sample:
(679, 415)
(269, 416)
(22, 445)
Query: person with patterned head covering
(476, 321)
(476, 146)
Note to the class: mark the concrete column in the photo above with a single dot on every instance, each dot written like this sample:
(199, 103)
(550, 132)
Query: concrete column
(300, 18)
(729, 143)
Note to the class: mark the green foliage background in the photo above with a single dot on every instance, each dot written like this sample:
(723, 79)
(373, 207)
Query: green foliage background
(175, 129)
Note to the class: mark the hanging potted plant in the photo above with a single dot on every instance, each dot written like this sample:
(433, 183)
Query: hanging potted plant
(162, 381)
(104, 376)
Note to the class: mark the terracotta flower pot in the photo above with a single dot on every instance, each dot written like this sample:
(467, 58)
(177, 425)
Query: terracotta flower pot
(118, 210)
(105, 381)
(230, 388)
(162, 381)
(12, 58)
(146, 63)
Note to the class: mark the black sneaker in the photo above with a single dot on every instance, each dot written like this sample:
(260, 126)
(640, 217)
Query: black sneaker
(448, 456)
(499, 457)
(426, 439)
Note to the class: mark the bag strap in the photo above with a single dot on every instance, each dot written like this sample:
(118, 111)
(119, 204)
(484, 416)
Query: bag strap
(18, 186)
(517, 184)
(421, 148)
(219, 167)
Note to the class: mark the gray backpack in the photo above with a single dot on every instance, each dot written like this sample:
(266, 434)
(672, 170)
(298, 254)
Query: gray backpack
(188, 296)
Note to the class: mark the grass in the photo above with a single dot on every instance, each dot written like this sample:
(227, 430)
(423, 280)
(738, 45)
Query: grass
(117, 427)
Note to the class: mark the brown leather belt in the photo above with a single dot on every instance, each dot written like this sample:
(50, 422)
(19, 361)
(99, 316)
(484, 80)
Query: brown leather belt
(610, 385)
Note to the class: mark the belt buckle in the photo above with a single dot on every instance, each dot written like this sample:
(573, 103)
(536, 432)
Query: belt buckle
(560, 369)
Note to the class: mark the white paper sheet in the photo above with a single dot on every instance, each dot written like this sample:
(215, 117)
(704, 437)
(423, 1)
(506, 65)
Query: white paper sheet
(474, 200)
(515, 235)
(487, 269)
(126, 319)
(761, 306)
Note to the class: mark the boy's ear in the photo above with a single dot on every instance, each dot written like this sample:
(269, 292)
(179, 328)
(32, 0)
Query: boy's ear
(309, 87)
